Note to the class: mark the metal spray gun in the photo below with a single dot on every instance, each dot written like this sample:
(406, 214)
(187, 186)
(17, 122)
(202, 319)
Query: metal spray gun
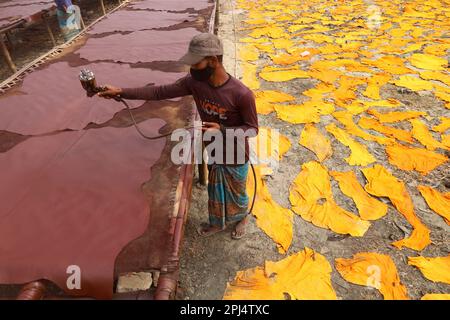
(87, 79)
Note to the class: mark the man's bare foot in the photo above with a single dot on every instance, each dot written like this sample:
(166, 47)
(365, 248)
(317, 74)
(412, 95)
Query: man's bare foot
(239, 230)
(206, 230)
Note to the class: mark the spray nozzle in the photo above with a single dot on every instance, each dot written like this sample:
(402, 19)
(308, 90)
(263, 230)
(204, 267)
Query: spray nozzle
(87, 79)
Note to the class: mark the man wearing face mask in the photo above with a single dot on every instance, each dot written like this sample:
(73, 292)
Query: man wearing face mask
(224, 103)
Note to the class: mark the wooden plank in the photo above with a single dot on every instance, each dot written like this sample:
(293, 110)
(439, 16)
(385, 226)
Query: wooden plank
(49, 29)
(103, 7)
(7, 56)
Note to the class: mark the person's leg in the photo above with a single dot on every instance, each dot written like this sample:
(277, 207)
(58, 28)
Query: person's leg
(216, 209)
(236, 198)
(240, 229)
(206, 229)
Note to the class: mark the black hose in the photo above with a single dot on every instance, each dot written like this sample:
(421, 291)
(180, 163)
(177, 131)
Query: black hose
(169, 133)
(139, 130)
(254, 189)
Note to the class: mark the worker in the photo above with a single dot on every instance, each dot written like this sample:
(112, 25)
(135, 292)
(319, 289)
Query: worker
(68, 18)
(63, 5)
(225, 104)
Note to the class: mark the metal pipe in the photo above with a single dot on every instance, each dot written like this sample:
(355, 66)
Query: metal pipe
(136, 295)
(32, 291)
(167, 282)
(203, 169)
(167, 285)
(177, 237)
(182, 214)
(36, 290)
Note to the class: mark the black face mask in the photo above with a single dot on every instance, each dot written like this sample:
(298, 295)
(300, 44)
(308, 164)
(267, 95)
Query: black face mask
(202, 74)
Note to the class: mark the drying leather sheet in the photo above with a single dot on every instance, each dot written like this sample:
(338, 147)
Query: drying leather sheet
(133, 20)
(74, 199)
(171, 5)
(147, 46)
(52, 98)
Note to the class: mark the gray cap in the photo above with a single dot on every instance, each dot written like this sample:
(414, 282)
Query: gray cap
(202, 45)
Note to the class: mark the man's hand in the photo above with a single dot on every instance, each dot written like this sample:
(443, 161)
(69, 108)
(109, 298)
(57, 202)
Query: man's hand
(210, 126)
(110, 92)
